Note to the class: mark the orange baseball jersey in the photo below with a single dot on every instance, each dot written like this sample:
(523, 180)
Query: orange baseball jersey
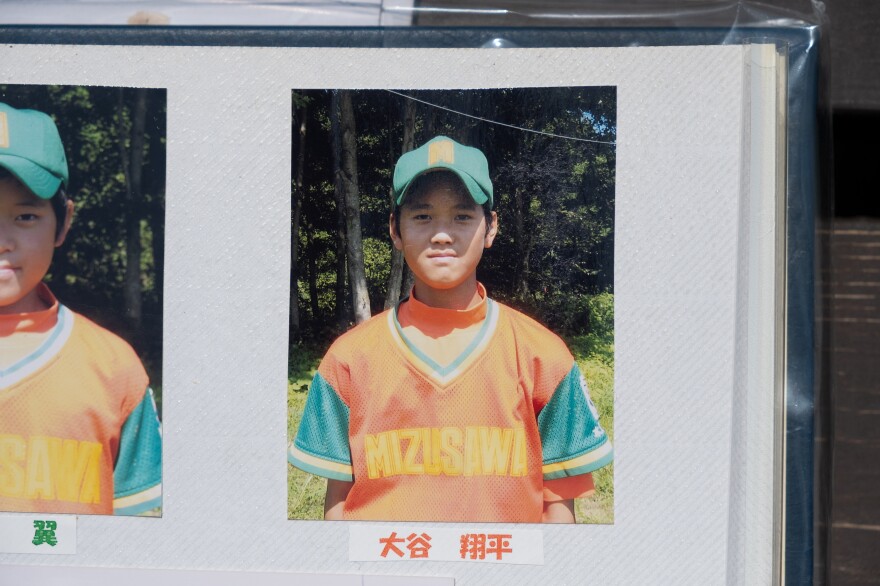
(78, 426)
(473, 439)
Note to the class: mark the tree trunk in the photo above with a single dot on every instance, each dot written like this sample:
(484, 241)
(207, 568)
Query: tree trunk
(295, 216)
(336, 133)
(524, 269)
(469, 128)
(395, 278)
(360, 297)
(519, 237)
(313, 276)
(524, 237)
(155, 185)
(429, 124)
(133, 164)
(158, 242)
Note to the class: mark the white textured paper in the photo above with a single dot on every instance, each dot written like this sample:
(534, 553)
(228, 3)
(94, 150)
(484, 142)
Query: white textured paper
(38, 534)
(406, 542)
(25, 575)
(678, 279)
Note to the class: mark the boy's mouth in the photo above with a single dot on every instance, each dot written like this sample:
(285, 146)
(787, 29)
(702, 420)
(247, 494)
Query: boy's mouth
(442, 254)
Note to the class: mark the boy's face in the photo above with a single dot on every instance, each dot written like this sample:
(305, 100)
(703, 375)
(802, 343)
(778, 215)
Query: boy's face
(27, 241)
(442, 237)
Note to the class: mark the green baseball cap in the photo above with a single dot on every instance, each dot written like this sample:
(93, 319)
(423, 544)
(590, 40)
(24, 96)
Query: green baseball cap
(31, 149)
(441, 152)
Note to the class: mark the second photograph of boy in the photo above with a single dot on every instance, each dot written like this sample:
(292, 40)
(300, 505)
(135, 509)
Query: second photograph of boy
(452, 305)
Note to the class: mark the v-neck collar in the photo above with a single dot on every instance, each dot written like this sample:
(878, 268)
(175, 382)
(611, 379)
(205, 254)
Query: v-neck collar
(48, 349)
(443, 375)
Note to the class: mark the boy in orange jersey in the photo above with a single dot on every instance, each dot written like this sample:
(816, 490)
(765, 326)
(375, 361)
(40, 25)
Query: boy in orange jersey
(78, 426)
(451, 406)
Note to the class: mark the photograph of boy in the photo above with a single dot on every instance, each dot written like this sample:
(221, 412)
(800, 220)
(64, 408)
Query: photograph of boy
(450, 405)
(79, 429)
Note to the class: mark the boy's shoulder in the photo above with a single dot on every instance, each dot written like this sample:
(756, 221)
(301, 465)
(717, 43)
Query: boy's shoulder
(102, 346)
(100, 368)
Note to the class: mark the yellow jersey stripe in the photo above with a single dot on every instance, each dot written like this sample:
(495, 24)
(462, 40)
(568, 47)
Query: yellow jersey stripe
(318, 462)
(590, 457)
(138, 498)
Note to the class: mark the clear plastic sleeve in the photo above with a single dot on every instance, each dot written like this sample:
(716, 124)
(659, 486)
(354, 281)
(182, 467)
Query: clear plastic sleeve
(798, 31)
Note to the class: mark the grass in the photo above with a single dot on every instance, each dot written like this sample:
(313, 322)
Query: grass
(305, 492)
(594, 355)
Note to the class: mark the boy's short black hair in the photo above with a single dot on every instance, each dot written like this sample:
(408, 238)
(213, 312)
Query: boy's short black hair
(427, 181)
(57, 201)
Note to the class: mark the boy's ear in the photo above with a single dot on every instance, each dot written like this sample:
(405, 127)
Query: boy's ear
(68, 218)
(491, 231)
(392, 230)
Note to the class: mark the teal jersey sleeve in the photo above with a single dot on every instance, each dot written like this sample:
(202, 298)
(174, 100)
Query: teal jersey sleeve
(137, 475)
(572, 440)
(321, 445)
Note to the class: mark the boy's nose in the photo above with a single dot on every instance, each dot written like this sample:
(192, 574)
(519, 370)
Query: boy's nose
(442, 236)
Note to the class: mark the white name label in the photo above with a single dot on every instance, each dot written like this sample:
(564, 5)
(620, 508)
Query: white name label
(42, 534)
(377, 543)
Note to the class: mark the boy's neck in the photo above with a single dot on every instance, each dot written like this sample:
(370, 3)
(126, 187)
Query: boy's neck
(39, 320)
(464, 296)
(38, 299)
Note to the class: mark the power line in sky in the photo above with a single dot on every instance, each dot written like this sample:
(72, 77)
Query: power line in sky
(500, 123)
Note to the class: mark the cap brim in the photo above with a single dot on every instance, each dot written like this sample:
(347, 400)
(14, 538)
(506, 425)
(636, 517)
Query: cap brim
(42, 183)
(477, 194)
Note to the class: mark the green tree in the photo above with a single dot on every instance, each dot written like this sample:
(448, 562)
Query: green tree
(552, 158)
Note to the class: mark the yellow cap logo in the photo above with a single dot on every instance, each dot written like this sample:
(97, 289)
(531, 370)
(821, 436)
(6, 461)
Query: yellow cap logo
(4, 131)
(441, 151)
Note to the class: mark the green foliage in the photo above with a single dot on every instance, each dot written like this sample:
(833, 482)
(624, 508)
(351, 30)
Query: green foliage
(554, 196)
(301, 367)
(305, 495)
(595, 356)
(601, 309)
(377, 251)
(572, 314)
(305, 492)
(300, 100)
(567, 313)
